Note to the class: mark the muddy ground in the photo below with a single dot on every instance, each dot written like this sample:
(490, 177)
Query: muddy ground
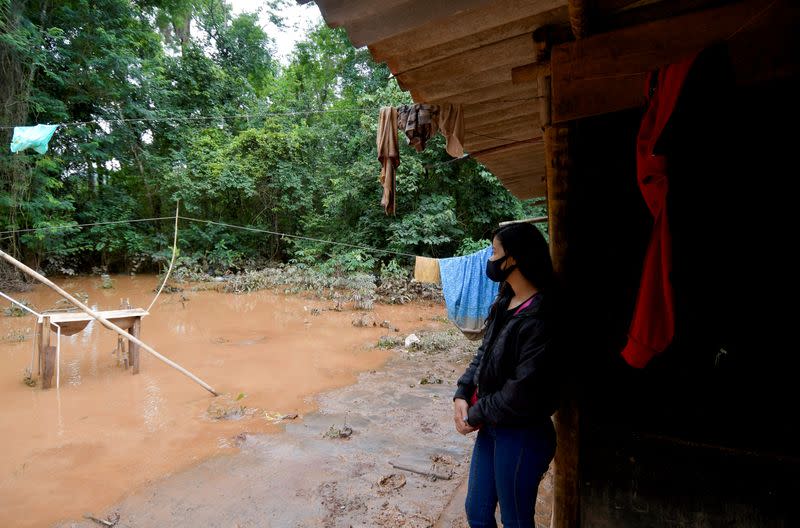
(319, 473)
(315, 475)
(149, 450)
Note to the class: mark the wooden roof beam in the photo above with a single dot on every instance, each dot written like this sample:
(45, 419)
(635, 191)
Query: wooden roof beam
(515, 51)
(504, 91)
(402, 59)
(530, 73)
(393, 18)
(338, 12)
(472, 28)
(606, 72)
(454, 85)
(526, 108)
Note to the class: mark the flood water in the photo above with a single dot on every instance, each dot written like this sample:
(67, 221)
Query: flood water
(106, 432)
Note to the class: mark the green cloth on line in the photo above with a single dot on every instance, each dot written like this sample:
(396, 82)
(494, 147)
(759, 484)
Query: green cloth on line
(35, 137)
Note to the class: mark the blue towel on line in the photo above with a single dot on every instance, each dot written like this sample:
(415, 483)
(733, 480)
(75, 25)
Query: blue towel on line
(468, 292)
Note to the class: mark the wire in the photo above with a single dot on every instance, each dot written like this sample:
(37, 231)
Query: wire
(70, 226)
(223, 224)
(257, 230)
(166, 119)
(161, 119)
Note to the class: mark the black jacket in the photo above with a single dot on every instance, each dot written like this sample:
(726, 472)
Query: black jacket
(517, 369)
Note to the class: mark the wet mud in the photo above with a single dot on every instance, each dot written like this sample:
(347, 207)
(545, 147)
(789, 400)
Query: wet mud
(170, 451)
(399, 466)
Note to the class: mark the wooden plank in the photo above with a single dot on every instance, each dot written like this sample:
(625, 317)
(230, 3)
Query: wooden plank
(518, 166)
(507, 148)
(606, 73)
(38, 345)
(400, 60)
(446, 87)
(390, 20)
(469, 29)
(521, 123)
(507, 111)
(45, 362)
(61, 317)
(338, 12)
(133, 347)
(530, 73)
(479, 141)
(477, 110)
(502, 91)
(511, 52)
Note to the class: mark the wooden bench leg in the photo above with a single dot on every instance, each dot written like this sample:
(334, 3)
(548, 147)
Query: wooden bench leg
(49, 367)
(46, 360)
(133, 348)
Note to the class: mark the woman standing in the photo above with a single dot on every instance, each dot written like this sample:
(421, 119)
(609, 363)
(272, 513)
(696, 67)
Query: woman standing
(509, 391)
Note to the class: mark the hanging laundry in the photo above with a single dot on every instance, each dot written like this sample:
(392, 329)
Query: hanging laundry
(451, 126)
(653, 324)
(388, 155)
(468, 292)
(419, 122)
(427, 270)
(35, 137)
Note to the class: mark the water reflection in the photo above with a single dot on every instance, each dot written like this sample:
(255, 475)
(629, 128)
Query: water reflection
(74, 371)
(152, 406)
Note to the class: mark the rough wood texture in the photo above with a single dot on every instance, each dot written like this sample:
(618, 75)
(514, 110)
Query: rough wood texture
(73, 322)
(605, 73)
(579, 18)
(566, 509)
(545, 100)
(63, 317)
(468, 30)
(377, 21)
(530, 72)
(45, 363)
(133, 348)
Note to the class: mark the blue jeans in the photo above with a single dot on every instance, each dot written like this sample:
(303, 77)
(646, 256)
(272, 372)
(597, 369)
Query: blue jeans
(507, 465)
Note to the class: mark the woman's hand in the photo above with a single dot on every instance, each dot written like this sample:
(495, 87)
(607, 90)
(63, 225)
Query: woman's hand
(460, 408)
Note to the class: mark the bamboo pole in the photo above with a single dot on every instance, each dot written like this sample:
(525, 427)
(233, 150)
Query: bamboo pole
(108, 324)
(535, 220)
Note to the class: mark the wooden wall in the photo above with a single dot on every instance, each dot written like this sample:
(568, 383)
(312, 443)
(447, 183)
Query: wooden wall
(704, 436)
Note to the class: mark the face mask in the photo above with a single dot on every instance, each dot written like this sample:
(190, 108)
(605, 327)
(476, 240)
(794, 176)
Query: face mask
(495, 272)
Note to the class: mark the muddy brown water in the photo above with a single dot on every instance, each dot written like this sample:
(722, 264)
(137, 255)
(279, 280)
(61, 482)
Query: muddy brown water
(106, 433)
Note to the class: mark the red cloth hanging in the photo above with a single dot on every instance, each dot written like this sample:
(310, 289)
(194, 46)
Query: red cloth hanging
(653, 324)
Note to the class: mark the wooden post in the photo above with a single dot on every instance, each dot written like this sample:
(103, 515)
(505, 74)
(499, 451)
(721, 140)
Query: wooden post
(543, 83)
(578, 18)
(38, 345)
(46, 360)
(566, 489)
(133, 348)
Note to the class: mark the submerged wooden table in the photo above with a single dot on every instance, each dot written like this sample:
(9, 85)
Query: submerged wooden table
(72, 323)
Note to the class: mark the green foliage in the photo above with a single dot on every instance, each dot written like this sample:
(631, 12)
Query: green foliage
(469, 246)
(299, 160)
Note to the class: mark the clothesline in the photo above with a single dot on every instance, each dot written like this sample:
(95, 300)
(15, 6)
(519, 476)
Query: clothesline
(200, 220)
(164, 119)
(161, 119)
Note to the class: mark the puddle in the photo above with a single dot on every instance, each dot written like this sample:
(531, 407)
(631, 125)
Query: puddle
(106, 432)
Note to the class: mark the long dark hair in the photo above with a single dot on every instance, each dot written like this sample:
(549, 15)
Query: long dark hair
(531, 252)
